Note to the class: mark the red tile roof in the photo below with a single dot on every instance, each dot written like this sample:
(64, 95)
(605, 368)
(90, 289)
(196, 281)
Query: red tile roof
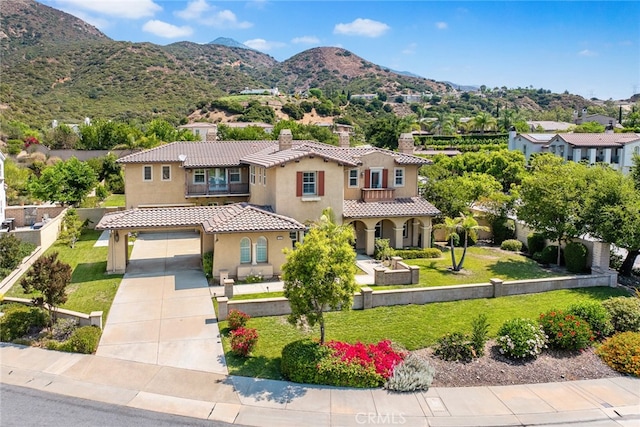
(410, 206)
(213, 219)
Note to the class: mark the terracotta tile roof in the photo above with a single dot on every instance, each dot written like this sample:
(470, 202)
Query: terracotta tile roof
(213, 219)
(410, 206)
(598, 139)
(199, 154)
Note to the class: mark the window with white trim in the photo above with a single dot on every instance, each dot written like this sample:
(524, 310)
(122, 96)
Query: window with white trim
(353, 178)
(261, 249)
(245, 250)
(398, 180)
(309, 184)
(252, 174)
(262, 176)
(234, 175)
(166, 172)
(147, 173)
(199, 176)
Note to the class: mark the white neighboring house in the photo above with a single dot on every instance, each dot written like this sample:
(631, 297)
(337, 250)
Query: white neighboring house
(615, 149)
(3, 194)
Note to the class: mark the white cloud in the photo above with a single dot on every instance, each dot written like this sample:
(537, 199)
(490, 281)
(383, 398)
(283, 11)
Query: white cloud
(99, 23)
(442, 25)
(410, 49)
(362, 27)
(120, 8)
(587, 52)
(256, 4)
(306, 40)
(166, 30)
(263, 45)
(204, 13)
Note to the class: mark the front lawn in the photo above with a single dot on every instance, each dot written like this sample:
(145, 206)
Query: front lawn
(114, 200)
(412, 326)
(91, 289)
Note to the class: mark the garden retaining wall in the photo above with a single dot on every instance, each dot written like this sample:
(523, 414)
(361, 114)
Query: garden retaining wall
(367, 298)
(92, 319)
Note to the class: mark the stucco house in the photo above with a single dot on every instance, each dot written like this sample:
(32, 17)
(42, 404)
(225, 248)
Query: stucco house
(374, 190)
(615, 149)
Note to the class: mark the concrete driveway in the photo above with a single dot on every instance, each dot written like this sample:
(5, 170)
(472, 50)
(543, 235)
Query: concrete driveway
(162, 313)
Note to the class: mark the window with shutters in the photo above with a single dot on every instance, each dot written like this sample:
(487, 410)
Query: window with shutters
(310, 184)
(376, 178)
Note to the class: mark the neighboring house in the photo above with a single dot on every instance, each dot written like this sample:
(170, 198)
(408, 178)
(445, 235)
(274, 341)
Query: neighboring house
(274, 91)
(548, 126)
(3, 194)
(374, 190)
(598, 118)
(206, 131)
(615, 149)
(367, 96)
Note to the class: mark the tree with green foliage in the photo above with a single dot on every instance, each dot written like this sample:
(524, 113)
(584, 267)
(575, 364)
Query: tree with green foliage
(384, 131)
(465, 224)
(256, 112)
(49, 277)
(483, 121)
(65, 182)
(635, 171)
(249, 133)
(319, 273)
(552, 196)
(62, 137)
(12, 251)
(16, 180)
(612, 212)
(589, 127)
(455, 194)
(71, 228)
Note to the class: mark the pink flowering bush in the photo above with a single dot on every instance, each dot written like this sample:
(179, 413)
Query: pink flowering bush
(243, 340)
(237, 319)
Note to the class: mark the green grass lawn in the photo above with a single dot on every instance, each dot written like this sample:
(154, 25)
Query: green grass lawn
(114, 200)
(91, 289)
(412, 326)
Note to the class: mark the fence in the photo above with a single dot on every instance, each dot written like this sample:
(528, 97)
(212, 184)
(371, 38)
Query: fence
(367, 298)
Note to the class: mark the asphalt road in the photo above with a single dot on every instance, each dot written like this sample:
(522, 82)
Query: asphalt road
(25, 407)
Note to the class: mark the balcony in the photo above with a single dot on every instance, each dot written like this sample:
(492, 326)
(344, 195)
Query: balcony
(204, 190)
(377, 194)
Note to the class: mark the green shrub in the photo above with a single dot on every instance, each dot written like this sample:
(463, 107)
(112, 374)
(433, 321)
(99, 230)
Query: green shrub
(596, 316)
(511, 245)
(418, 253)
(18, 319)
(455, 346)
(63, 328)
(622, 352)
(333, 371)
(479, 333)
(243, 341)
(566, 331)
(625, 313)
(237, 319)
(413, 373)
(502, 229)
(521, 339)
(535, 243)
(382, 251)
(207, 265)
(575, 257)
(549, 255)
(300, 359)
(83, 340)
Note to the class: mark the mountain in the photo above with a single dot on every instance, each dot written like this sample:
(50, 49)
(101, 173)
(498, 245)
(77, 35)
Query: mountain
(225, 41)
(464, 88)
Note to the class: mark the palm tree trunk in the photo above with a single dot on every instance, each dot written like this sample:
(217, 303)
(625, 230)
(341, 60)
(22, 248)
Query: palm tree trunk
(464, 252)
(453, 254)
(627, 264)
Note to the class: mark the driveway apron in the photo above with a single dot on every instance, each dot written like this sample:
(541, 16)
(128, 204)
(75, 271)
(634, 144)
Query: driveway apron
(162, 313)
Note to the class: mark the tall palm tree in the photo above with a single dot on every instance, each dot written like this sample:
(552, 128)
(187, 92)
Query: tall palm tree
(483, 121)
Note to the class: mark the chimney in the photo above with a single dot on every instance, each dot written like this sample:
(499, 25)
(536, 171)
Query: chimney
(584, 113)
(343, 137)
(285, 139)
(405, 143)
(212, 135)
(512, 138)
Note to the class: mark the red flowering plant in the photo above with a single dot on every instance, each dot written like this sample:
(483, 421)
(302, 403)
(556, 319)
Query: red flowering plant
(566, 331)
(237, 319)
(243, 340)
(29, 141)
(382, 357)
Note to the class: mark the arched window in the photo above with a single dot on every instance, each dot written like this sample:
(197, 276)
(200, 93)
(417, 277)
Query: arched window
(261, 249)
(245, 250)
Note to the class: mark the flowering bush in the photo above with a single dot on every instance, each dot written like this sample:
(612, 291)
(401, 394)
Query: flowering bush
(566, 331)
(237, 319)
(521, 338)
(29, 141)
(243, 340)
(381, 356)
(622, 352)
(596, 316)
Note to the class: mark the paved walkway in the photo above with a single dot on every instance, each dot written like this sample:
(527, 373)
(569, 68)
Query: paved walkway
(162, 313)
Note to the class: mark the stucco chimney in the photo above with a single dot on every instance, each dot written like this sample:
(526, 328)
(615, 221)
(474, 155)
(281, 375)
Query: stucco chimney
(405, 143)
(285, 139)
(512, 138)
(212, 135)
(343, 137)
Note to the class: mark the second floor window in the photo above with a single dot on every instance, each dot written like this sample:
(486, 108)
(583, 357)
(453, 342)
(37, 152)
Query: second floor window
(199, 176)
(399, 177)
(252, 174)
(166, 172)
(147, 174)
(353, 177)
(308, 183)
(234, 175)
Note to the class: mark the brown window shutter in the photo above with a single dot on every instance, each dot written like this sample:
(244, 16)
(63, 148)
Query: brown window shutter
(320, 183)
(367, 178)
(298, 184)
(385, 177)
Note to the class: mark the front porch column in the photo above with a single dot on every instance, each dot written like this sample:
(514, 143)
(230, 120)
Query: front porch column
(370, 241)
(415, 234)
(607, 155)
(425, 228)
(254, 253)
(592, 156)
(117, 257)
(577, 154)
(398, 232)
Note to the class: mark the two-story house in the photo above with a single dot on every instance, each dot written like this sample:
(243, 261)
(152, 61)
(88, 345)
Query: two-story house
(284, 184)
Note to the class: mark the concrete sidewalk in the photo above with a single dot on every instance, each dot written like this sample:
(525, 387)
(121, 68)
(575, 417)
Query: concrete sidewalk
(256, 402)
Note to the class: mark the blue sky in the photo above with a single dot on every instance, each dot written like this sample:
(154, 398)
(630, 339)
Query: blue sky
(590, 48)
